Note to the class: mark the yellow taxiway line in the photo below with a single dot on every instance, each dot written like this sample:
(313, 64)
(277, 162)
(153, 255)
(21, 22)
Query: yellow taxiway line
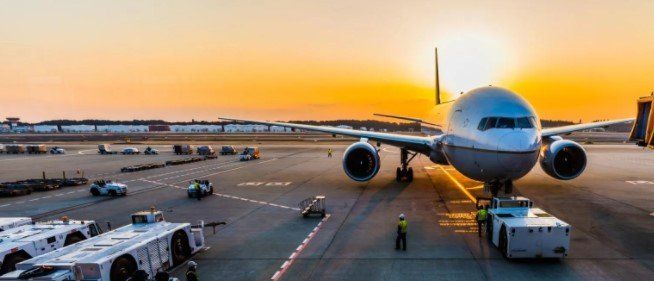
(459, 185)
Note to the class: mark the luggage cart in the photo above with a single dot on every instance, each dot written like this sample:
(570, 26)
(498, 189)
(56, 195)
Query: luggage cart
(313, 205)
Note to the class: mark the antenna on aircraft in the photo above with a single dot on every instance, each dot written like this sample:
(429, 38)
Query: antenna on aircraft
(438, 86)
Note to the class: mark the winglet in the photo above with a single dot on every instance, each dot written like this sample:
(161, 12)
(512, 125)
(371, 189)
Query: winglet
(438, 83)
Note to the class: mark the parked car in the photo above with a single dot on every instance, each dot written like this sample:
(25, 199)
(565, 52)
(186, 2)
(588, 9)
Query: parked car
(228, 150)
(130, 150)
(150, 151)
(250, 153)
(57, 150)
(206, 150)
(105, 149)
(108, 187)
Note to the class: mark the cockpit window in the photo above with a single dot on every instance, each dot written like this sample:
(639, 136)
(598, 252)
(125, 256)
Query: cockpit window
(506, 123)
(524, 123)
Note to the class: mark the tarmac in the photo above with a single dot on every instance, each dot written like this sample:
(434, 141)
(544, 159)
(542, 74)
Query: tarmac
(610, 208)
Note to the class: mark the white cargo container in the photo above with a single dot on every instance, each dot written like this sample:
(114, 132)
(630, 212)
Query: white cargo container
(521, 231)
(24, 242)
(8, 223)
(149, 243)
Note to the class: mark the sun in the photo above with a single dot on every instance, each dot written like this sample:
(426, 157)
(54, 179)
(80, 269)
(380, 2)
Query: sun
(471, 60)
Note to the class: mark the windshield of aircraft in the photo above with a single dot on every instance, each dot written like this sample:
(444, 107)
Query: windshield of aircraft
(487, 123)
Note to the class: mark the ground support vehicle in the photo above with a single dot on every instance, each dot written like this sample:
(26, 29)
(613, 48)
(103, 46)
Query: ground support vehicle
(313, 205)
(130, 151)
(15, 149)
(28, 241)
(2, 148)
(105, 149)
(57, 150)
(150, 243)
(199, 188)
(36, 149)
(205, 150)
(520, 231)
(108, 187)
(181, 149)
(250, 153)
(142, 167)
(11, 222)
(228, 150)
(150, 151)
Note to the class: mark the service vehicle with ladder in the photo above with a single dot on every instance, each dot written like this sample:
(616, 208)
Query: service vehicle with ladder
(150, 243)
(520, 231)
(24, 242)
(11, 222)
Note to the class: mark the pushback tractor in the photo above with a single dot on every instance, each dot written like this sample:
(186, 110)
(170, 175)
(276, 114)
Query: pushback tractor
(11, 222)
(520, 231)
(149, 243)
(27, 241)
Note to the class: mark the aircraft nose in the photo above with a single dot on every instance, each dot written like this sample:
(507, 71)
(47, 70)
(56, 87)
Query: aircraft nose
(518, 141)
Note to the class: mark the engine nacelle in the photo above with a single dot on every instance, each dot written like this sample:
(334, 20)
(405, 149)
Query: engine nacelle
(563, 159)
(361, 161)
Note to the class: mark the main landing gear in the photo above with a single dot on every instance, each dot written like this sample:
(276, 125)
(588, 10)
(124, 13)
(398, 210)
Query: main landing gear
(495, 186)
(405, 172)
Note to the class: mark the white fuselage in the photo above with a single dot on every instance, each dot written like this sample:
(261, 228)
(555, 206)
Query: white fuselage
(491, 134)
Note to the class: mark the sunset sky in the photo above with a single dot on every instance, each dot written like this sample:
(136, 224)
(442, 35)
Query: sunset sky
(178, 60)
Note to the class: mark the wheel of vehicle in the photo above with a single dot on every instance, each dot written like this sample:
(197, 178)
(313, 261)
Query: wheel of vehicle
(112, 193)
(503, 242)
(95, 192)
(409, 175)
(181, 250)
(74, 238)
(489, 228)
(211, 190)
(122, 268)
(398, 174)
(10, 261)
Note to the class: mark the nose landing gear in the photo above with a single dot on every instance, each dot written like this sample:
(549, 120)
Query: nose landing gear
(496, 185)
(405, 172)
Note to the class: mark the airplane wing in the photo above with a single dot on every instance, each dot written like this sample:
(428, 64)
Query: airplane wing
(415, 143)
(578, 127)
(417, 120)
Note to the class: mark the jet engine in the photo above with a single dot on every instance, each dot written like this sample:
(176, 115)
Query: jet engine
(361, 161)
(563, 159)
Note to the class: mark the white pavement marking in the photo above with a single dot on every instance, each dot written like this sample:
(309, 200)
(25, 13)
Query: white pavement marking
(287, 264)
(227, 196)
(5, 205)
(35, 199)
(640, 182)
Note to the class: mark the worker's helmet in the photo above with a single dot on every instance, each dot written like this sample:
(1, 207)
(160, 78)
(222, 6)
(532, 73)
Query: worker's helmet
(402, 216)
(192, 264)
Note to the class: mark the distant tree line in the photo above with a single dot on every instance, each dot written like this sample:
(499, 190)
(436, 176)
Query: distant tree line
(356, 124)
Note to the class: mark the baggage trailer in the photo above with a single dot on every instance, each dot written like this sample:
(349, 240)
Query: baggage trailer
(25, 242)
(36, 149)
(150, 243)
(15, 149)
(9, 222)
(520, 231)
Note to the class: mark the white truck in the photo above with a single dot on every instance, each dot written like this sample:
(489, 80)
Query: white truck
(11, 222)
(104, 187)
(28, 241)
(150, 243)
(520, 231)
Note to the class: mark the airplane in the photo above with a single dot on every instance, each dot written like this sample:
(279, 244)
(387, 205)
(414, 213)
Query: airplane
(490, 134)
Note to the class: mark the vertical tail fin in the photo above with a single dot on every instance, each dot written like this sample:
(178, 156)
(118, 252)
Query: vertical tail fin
(438, 86)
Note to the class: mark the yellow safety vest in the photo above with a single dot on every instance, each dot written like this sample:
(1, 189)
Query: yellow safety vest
(481, 215)
(403, 225)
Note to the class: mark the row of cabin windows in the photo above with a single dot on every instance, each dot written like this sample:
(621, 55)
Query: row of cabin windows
(506, 123)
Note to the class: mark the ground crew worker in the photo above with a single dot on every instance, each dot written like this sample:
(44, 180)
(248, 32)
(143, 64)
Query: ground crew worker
(482, 214)
(401, 233)
(162, 275)
(329, 152)
(191, 273)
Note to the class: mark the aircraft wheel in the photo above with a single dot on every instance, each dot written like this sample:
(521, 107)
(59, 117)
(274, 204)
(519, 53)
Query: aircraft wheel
(409, 175)
(398, 174)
